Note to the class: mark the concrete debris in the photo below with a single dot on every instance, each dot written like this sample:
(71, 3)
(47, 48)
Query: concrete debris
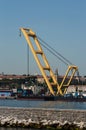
(37, 118)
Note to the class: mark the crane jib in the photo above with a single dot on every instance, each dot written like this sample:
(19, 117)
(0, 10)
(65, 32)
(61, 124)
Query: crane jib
(54, 87)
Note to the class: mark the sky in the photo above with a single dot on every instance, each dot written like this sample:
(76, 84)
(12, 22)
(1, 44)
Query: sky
(61, 23)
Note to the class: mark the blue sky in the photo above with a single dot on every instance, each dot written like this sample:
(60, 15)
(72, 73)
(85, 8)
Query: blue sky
(61, 23)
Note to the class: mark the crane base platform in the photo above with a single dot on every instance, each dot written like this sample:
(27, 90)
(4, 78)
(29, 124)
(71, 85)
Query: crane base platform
(53, 98)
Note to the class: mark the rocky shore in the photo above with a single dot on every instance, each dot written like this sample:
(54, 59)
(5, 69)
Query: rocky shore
(43, 118)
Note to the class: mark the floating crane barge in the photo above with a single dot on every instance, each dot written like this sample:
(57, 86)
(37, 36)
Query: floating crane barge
(56, 90)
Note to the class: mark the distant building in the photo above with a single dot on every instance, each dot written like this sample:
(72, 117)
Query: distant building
(72, 88)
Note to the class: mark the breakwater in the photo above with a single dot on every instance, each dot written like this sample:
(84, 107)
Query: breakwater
(42, 118)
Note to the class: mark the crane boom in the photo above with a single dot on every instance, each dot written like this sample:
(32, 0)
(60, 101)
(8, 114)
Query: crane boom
(53, 86)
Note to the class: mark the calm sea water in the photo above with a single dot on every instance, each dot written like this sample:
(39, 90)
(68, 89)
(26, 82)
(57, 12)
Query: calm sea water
(42, 104)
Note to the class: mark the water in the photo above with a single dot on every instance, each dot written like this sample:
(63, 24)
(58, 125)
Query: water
(42, 104)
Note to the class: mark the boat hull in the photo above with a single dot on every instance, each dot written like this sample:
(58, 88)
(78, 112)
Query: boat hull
(53, 98)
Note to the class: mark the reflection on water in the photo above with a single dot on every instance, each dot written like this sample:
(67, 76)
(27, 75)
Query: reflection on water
(42, 104)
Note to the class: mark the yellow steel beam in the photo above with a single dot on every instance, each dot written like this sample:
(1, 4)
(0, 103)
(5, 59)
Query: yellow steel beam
(29, 33)
(73, 69)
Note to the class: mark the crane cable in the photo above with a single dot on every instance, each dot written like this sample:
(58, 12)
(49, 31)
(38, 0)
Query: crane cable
(54, 52)
(51, 50)
(57, 55)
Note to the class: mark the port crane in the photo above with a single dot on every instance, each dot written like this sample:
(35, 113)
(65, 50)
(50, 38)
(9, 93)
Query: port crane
(54, 87)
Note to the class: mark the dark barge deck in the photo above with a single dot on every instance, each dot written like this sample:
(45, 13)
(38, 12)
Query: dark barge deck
(53, 98)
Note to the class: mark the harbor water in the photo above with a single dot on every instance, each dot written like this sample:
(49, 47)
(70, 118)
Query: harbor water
(42, 104)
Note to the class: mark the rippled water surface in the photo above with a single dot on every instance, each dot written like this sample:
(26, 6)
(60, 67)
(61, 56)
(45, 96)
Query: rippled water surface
(42, 104)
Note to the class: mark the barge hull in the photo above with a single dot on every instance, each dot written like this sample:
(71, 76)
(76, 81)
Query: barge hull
(53, 98)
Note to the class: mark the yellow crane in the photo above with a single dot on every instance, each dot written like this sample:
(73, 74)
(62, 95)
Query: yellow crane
(54, 87)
